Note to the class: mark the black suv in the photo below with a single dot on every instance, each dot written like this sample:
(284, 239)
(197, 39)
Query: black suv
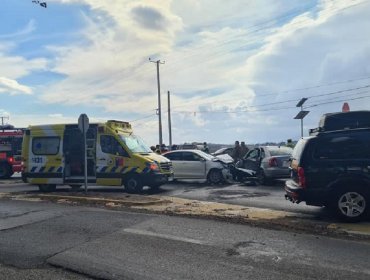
(332, 168)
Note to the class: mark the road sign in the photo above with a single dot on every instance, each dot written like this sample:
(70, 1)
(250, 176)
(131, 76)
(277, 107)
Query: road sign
(83, 123)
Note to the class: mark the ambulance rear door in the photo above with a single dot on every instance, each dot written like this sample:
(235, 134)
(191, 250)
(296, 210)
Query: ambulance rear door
(45, 162)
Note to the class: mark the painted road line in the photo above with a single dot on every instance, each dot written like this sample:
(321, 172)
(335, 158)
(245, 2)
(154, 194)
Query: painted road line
(164, 236)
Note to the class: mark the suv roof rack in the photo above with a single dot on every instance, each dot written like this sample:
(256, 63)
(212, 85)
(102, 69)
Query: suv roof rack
(342, 121)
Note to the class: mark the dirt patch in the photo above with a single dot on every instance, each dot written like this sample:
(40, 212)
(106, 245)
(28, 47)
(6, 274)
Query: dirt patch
(266, 218)
(232, 194)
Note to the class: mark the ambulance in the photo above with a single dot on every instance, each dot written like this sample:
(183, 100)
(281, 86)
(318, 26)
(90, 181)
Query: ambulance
(54, 155)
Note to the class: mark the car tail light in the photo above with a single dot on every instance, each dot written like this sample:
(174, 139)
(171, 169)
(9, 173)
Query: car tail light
(10, 160)
(273, 162)
(301, 177)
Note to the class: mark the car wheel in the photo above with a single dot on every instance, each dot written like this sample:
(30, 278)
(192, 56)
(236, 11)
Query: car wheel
(5, 171)
(215, 176)
(351, 204)
(262, 179)
(47, 188)
(133, 184)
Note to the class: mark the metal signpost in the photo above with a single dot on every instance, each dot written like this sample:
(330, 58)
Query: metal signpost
(83, 125)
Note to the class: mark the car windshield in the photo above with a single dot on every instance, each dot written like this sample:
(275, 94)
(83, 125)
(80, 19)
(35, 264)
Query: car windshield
(280, 151)
(135, 143)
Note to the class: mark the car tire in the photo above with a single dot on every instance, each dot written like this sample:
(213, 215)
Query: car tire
(215, 176)
(47, 188)
(5, 171)
(262, 179)
(351, 204)
(133, 184)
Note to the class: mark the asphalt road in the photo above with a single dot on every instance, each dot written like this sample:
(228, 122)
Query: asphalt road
(127, 245)
(270, 197)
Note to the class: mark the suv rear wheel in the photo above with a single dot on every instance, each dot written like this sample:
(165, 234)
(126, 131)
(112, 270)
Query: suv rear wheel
(351, 204)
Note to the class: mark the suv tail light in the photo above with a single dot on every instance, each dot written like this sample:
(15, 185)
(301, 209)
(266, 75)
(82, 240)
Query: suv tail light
(301, 177)
(273, 162)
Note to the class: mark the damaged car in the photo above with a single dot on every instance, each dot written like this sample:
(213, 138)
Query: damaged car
(195, 164)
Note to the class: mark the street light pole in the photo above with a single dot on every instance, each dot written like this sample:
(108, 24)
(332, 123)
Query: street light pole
(169, 119)
(159, 101)
(302, 113)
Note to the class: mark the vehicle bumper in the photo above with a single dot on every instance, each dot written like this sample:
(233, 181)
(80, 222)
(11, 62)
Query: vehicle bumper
(315, 197)
(156, 179)
(17, 167)
(276, 173)
(293, 192)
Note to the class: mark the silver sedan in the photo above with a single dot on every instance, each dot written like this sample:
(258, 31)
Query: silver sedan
(269, 162)
(195, 164)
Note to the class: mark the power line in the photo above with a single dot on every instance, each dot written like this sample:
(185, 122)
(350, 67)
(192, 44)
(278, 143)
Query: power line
(279, 102)
(287, 91)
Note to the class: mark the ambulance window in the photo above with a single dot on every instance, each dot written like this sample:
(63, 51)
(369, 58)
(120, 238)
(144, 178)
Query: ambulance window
(110, 145)
(45, 145)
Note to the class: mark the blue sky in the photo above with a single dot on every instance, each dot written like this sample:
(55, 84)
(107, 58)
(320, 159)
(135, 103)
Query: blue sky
(235, 69)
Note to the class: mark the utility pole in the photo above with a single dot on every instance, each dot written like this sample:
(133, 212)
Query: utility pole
(169, 119)
(159, 100)
(2, 120)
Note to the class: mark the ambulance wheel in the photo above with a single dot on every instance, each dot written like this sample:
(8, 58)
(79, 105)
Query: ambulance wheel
(5, 171)
(47, 188)
(133, 184)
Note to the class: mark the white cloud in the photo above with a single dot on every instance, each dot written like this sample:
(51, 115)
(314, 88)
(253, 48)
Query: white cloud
(219, 57)
(13, 87)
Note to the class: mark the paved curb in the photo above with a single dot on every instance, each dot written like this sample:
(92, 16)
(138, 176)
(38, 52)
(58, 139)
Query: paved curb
(267, 218)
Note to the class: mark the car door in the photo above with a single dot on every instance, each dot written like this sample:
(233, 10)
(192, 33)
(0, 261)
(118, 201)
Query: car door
(112, 161)
(177, 164)
(252, 160)
(194, 166)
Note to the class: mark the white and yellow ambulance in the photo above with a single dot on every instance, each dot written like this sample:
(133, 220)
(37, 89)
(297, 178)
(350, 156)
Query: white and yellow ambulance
(54, 155)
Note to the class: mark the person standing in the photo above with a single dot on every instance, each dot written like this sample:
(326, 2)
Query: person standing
(244, 149)
(289, 143)
(205, 148)
(236, 155)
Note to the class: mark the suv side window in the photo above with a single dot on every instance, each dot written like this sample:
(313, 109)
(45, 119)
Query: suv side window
(344, 146)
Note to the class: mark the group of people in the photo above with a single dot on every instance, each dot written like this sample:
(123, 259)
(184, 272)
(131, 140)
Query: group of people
(159, 149)
(239, 151)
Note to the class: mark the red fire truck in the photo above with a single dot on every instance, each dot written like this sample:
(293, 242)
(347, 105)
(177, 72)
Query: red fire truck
(10, 150)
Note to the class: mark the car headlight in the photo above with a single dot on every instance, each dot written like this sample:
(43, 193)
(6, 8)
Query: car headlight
(154, 167)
